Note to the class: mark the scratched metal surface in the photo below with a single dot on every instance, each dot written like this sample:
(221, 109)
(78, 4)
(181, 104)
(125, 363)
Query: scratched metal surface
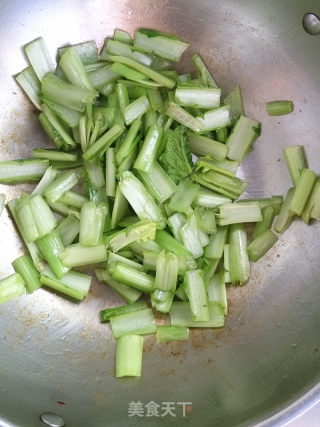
(54, 350)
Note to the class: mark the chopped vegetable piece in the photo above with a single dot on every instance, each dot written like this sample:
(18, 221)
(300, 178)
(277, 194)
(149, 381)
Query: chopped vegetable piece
(279, 108)
(182, 199)
(130, 295)
(129, 356)
(242, 137)
(15, 171)
(234, 213)
(296, 161)
(261, 244)
(234, 100)
(137, 322)
(312, 207)
(51, 247)
(302, 191)
(267, 218)
(77, 255)
(167, 333)
(11, 287)
(180, 314)
(25, 267)
(180, 115)
(216, 289)
(214, 119)
(106, 314)
(239, 261)
(131, 277)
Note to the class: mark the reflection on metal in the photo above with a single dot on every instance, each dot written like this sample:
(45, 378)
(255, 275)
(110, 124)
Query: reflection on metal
(52, 420)
(311, 24)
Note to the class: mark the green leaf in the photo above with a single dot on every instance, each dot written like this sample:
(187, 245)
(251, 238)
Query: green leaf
(176, 159)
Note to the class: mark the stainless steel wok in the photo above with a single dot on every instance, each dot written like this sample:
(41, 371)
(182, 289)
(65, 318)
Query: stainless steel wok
(264, 366)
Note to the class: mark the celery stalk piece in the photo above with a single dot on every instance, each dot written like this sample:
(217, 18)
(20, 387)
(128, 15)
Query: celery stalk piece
(196, 290)
(131, 277)
(123, 97)
(39, 57)
(214, 250)
(166, 272)
(128, 220)
(58, 129)
(43, 153)
(180, 115)
(66, 94)
(153, 75)
(140, 200)
(110, 172)
(11, 287)
(94, 174)
(122, 36)
(267, 218)
(129, 356)
(234, 213)
(127, 162)
(296, 161)
(73, 283)
(242, 137)
(302, 191)
(161, 44)
(149, 150)
(26, 219)
(87, 51)
(51, 132)
(120, 208)
(107, 313)
(312, 207)
(128, 141)
(155, 99)
(114, 258)
(42, 215)
(73, 68)
(102, 77)
(198, 97)
(203, 72)
(209, 199)
(128, 294)
(167, 333)
(24, 170)
(140, 231)
(66, 115)
(229, 186)
(120, 48)
(127, 72)
(136, 109)
(222, 134)
(261, 245)
(191, 238)
(61, 184)
(215, 119)
(203, 146)
(137, 322)
(182, 199)
(176, 222)
(180, 314)
(76, 255)
(234, 99)
(71, 198)
(206, 219)
(149, 245)
(226, 167)
(92, 219)
(63, 209)
(51, 247)
(216, 289)
(68, 229)
(32, 247)
(30, 83)
(162, 300)
(184, 263)
(275, 202)
(158, 182)
(2, 202)
(165, 240)
(25, 267)
(279, 108)
(238, 257)
(103, 143)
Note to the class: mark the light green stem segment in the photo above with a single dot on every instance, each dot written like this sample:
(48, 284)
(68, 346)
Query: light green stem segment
(11, 287)
(25, 267)
(279, 108)
(129, 356)
(167, 333)
(302, 191)
(261, 244)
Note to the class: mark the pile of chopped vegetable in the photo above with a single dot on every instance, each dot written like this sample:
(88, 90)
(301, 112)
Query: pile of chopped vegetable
(120, 189)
